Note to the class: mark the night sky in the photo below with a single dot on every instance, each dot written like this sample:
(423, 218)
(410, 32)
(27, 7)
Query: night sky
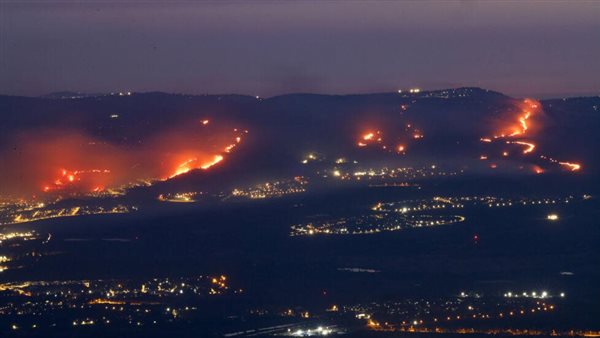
(267, 48)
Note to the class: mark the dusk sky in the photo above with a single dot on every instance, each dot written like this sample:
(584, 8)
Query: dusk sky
(274, 47)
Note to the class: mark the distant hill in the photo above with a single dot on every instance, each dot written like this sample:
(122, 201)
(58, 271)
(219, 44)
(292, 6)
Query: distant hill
(442, 126)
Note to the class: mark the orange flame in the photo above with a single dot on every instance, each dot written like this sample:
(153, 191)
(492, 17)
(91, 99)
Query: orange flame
(529, 147)
(195, 163)
(571, 166)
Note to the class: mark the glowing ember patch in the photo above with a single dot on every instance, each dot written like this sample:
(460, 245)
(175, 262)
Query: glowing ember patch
(370, 137)
(229, 147)
(77, 178)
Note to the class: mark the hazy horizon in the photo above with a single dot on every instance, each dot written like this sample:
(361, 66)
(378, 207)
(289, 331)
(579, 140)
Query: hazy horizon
(269, 48)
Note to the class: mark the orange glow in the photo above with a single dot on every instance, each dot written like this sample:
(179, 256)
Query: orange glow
(184, 167)
(483, 157)
(522, 123)
(369, 137)
(523, 120)
(195, 163)
(78, 179)
(229, 147)
(70, 162)
(570, 166)
(387, 140)
(520, 127)
(529, 147)
(205, 122)
(216, 159)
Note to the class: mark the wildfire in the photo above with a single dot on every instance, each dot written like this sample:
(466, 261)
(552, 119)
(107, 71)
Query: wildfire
(521, 127)
(216, 159)
(522, 123)
(69, 178)
(570, 166)
(529, 147)
(368, 136)
(389, 144)
(538, 170)
(62, 162)
(195, 163)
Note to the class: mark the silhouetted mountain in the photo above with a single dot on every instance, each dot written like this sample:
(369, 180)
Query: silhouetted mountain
(442, 126)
